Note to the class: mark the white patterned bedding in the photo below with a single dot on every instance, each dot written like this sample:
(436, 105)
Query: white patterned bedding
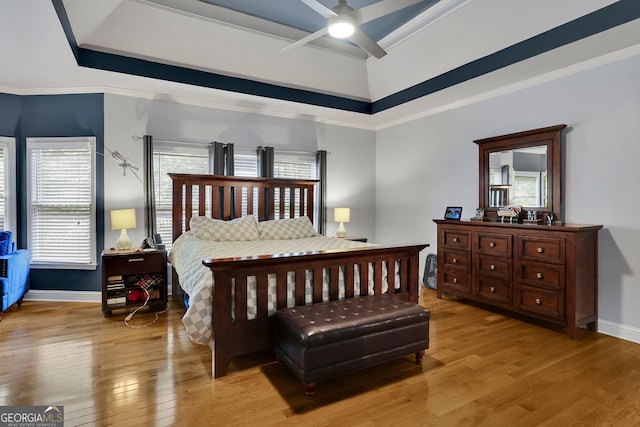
(196, 280)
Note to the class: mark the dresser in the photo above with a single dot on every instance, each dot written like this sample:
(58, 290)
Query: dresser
(546, 272)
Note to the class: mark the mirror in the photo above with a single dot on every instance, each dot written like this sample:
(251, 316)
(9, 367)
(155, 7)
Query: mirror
(521, 169)
(518, 177)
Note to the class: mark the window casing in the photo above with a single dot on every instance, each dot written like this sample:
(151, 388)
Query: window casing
(8, 198)
(61, 202)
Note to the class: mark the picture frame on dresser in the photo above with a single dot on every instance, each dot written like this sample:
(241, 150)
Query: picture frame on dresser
(453, 213)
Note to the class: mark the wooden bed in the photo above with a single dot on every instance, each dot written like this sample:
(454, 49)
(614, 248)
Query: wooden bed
(222, 197)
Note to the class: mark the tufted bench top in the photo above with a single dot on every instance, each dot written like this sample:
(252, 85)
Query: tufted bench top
(336, 321)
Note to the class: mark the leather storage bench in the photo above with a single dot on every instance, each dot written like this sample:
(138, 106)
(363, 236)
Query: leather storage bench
(334, 337)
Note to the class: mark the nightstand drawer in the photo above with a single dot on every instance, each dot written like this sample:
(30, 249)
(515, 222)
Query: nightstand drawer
(136, 263)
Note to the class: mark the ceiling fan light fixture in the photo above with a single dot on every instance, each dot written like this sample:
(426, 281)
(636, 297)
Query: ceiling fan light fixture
(341, 26)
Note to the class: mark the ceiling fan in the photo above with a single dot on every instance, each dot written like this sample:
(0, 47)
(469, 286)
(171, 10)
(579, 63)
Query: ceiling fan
(343, 21)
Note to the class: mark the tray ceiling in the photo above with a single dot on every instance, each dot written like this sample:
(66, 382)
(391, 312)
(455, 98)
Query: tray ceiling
(440, 53)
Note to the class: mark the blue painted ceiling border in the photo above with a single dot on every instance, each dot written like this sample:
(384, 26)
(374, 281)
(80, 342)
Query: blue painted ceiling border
(600, 20)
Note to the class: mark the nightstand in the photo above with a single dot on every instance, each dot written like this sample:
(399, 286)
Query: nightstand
(356, 239)
(126, 275)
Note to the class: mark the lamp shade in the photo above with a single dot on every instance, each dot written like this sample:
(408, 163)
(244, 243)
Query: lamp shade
(341, 214)
(121, 219)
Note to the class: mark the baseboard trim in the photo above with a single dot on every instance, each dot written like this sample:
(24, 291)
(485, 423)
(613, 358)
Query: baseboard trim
(63, 296)
(618, 330)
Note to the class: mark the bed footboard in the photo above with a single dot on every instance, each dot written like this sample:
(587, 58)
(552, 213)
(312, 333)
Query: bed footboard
(235, 334)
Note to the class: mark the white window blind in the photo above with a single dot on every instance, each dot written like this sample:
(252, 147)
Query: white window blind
(61, 183)
(245, 162)
(8, 200)
(174, 159)
(293, 165)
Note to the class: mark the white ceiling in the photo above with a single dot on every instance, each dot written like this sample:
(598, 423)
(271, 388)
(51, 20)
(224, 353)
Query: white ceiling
(37, 57)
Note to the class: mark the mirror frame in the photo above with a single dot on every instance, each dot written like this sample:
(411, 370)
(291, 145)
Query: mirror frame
(551, 137)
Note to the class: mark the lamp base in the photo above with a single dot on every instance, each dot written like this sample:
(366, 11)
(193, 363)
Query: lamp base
(123, 243)
(342, 232)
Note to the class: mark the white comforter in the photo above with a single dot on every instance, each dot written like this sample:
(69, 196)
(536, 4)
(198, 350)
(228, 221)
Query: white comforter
(196, 280)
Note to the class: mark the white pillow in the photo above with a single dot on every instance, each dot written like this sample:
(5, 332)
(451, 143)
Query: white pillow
(289, 228)
(239, 229)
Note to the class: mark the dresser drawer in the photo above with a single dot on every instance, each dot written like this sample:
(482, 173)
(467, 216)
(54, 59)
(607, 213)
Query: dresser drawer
(547, 276)
(494, 243)
(541, 249)
(543, 303)
(494, 290)
(459, 260)
(499, 267)
(457, 280)
(137, 263)
(457, 239)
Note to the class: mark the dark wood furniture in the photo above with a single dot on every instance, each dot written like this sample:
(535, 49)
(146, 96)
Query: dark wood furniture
(232, 197)
(353, 333)
(125, 274)
(545, 272)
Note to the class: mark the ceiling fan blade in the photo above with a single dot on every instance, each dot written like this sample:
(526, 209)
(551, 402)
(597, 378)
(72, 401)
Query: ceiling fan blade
(381, 8)
(360, 38)
(320, 8)
(321, 32)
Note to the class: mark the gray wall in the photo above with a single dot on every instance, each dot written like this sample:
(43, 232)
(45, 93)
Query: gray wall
(432, 162)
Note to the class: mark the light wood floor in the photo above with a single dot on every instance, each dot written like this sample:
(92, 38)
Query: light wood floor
(482, 369)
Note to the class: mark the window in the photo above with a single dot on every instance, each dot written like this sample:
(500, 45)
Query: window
(294, 165)
(8, 198)
(61, 198)
(173, 158)
(245, 162)
(526, 188)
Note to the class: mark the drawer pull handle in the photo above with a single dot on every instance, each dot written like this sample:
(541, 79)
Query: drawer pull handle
(493, 267)
(136, 259)
(492, 289)
(538, 301)
(539, 275)
(540, 250)
(492, 245)
(455, 260)
(455, 240)
(455, 280)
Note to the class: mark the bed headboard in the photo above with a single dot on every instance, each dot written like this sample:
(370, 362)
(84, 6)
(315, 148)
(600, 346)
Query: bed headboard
(229, 197)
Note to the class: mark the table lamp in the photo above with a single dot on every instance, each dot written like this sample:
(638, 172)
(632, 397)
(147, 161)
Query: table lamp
(122, 219)
(341, 215)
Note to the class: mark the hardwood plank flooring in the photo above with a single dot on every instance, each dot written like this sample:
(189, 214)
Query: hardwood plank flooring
(482, 369)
